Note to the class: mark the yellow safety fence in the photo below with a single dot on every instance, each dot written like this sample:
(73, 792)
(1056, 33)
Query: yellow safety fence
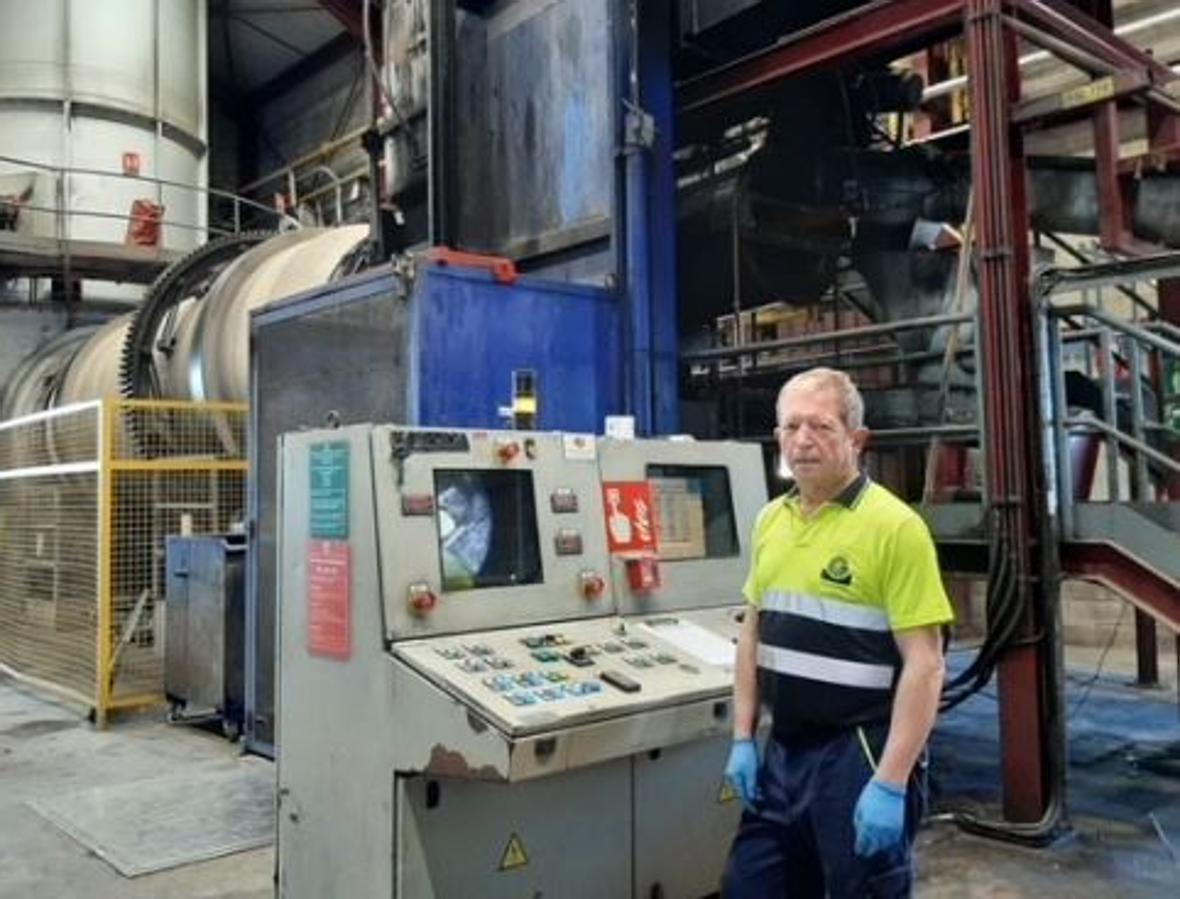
(88, 495)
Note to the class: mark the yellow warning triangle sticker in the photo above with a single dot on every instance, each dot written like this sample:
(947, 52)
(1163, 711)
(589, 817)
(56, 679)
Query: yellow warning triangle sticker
(514, 855)
(726, 794)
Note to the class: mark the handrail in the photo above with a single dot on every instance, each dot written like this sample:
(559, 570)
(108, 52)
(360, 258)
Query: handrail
(881, 328)
(125, 217)
(237, 199)
(1097, 424)
(1117, 324)
(1105, 327)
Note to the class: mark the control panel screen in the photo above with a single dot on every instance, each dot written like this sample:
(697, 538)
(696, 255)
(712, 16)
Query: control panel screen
(487, 529)
(695, 511)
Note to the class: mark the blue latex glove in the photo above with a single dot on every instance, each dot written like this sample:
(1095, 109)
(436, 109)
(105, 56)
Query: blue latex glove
(879, 818)
(742, 772)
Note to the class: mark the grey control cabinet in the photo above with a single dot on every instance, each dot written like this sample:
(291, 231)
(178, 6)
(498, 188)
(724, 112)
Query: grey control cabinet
(205, 615)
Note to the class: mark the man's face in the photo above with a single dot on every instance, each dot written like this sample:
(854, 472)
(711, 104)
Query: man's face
(818, 446)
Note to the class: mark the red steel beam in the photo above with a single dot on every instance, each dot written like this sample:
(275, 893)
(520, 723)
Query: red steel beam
(1115, 196)
(1140, 585)
(1063, 21)
(1012, 432)
(1077, 101)
(873, 29)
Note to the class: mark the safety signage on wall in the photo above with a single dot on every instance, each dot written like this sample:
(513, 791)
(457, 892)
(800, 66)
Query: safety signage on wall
(329, 599)
(514, 855)
(329, 490)
(630, 517)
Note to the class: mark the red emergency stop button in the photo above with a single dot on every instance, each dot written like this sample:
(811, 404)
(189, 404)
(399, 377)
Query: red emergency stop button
(507, 450)
(593, 585)
(422, 599)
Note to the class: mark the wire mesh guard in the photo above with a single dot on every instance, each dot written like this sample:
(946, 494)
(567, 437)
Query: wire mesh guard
(49, 476)
(88, 496)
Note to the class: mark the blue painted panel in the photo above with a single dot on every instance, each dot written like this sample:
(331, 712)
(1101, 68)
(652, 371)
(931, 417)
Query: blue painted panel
(535, 125)
(470, 333)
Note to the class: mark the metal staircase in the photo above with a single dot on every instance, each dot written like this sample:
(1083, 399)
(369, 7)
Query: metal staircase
(1110, 408)
(1129, 541)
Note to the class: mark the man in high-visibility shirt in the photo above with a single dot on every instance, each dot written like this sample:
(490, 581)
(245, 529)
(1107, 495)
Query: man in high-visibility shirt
(842, 642)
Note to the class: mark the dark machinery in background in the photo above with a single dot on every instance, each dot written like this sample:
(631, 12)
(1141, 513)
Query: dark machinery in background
(793, 192)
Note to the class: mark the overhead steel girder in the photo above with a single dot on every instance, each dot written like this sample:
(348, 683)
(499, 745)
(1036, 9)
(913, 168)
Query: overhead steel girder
(1068, 24)
(887, 25)
(867, 30)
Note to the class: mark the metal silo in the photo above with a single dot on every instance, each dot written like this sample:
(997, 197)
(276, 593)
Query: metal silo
(113, 86)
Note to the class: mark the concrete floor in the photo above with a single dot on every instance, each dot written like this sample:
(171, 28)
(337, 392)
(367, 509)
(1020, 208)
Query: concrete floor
(47, 749)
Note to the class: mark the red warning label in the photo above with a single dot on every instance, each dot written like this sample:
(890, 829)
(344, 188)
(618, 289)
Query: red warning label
(630, 517)
(329, 599)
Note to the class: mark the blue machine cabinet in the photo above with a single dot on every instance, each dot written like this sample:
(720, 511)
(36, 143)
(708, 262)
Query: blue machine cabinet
(440, 347)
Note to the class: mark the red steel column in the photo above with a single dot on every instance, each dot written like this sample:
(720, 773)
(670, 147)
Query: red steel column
(1012, 432)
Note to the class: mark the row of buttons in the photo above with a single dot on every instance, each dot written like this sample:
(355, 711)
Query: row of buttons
(502, 683)
(536, 641)
(650, 661)
(454, 653)
(475, 665)
(541, 641)
(554, 693)
(623, 645)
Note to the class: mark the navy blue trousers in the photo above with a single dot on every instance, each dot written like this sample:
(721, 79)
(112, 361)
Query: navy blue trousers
(799, 841)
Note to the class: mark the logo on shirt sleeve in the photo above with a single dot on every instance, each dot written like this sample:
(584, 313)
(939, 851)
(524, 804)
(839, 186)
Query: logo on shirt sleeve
(837, 571)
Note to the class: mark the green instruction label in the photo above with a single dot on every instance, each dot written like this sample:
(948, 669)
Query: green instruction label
(329, 491)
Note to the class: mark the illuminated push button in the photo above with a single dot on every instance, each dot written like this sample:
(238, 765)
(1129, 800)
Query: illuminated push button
(417, 504)
(545, 655)
(556, 677)
(522, 698)
(421, 599)
(563, 500)
(568, 542)
(584, 688)
(551, 694)
(592, 583)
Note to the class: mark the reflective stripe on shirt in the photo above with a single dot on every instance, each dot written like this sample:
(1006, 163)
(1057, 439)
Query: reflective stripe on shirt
(830, 611)
(824, 668)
